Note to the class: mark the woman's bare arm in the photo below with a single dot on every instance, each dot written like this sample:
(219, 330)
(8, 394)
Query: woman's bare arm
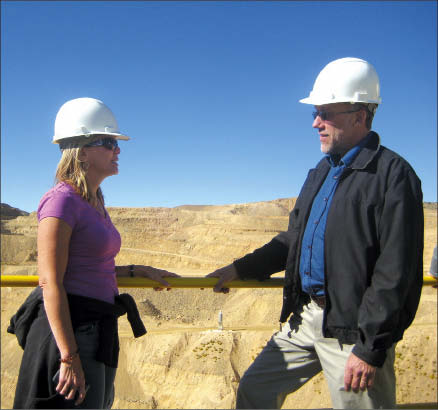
(53, 247)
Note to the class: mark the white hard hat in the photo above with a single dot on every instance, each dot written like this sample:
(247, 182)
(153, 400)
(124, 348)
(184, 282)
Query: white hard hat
(349, 80)
(84, 117)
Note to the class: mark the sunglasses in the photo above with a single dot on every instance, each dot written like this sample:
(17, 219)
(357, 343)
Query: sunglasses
(108, 143)
(327, 115)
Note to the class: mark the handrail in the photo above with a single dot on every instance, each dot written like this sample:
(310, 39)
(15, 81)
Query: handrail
(180, 282)
(138, 282)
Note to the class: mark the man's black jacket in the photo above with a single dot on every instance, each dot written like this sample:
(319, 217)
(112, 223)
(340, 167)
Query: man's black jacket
(373, 251)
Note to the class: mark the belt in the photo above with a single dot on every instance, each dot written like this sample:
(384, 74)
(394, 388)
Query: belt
(319, 300)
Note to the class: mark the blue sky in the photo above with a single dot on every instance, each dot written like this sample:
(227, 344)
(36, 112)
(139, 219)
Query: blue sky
(208, 91)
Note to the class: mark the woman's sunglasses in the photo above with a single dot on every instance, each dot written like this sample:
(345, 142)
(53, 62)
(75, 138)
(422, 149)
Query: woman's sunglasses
(107, 142)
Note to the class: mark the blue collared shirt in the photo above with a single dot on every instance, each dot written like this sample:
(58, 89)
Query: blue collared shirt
(312, 249)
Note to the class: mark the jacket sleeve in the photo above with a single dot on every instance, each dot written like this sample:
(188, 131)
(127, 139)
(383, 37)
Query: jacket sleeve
(266, 260)
(391, 301)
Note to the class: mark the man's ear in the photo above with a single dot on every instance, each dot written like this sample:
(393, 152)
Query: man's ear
(361, 118)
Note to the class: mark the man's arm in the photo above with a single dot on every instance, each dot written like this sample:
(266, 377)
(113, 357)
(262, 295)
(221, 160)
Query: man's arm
(260, 264)
(390, 302)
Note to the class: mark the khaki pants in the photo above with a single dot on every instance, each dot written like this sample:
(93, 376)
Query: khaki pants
(296, 354)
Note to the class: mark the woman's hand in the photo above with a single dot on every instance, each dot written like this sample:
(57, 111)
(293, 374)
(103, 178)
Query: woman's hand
(155, 274)
(72, 381)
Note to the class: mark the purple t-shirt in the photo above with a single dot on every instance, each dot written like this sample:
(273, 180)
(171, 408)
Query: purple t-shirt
(94, 243)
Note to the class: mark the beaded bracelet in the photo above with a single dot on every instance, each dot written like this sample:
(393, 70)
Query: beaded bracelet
(131, 271)
(69, 358)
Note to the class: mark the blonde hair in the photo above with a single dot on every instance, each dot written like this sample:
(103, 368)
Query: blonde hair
(73, 171)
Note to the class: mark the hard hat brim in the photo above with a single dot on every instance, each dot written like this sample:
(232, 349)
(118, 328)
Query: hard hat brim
(307, 100)
(117, 136)
(323, 101)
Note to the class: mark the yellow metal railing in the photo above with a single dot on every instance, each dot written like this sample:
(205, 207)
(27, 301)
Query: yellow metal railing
(181, 282)
(137, 282)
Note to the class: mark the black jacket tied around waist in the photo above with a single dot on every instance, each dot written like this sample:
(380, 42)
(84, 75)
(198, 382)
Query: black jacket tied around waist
(41, 355)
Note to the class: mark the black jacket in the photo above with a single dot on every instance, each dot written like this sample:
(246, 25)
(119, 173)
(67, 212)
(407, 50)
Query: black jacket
(35, 388)
(373, 251)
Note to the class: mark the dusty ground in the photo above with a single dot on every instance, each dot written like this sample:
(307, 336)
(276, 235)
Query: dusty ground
(184, 361)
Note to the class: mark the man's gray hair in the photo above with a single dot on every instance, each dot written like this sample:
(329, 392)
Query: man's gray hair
(370, 110)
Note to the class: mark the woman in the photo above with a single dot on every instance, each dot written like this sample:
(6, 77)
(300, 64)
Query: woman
(77, 244)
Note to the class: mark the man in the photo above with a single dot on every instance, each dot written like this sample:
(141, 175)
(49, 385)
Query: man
(433, 270)
(352, 257)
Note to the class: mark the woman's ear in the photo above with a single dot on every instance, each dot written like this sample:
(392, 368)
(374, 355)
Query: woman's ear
(82, 155)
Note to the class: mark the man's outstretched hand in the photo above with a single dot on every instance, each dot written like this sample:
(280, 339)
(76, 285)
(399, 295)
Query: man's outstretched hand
(225, 275)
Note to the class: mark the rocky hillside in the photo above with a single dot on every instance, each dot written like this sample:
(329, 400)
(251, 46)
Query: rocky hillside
(8, 212)
(186, 237)
(185, 361)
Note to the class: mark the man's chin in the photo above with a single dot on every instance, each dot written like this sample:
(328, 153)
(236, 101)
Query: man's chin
(325, 149)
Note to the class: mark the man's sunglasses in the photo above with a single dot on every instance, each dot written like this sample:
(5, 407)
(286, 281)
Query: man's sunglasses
(327, 115)
(107, 142)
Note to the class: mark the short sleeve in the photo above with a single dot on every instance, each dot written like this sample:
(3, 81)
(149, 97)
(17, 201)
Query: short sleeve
(58, 204)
